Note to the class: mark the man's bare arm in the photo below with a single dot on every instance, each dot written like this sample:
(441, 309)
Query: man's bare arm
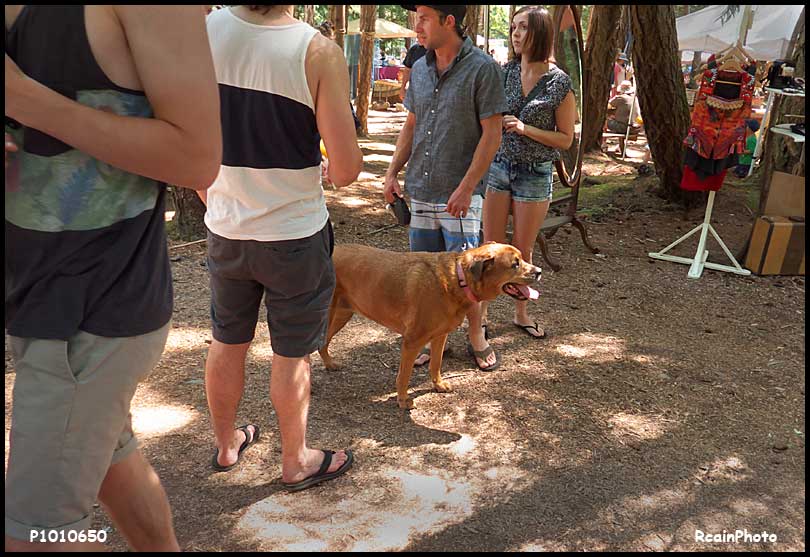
(402, 153)
(182, 144)
(488, 145)
(327, 75)
(459, 203)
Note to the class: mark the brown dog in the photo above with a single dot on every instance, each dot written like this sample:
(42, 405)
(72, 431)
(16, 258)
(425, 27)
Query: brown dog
(423, 296)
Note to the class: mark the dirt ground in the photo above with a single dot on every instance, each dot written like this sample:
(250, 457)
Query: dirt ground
(658, 407)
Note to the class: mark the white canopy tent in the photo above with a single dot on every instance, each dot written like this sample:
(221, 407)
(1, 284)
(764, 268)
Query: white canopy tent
(767, 39)
(383, 29)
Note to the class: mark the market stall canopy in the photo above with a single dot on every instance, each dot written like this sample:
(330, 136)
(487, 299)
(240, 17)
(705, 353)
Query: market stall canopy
(767, 39)
(383, 29)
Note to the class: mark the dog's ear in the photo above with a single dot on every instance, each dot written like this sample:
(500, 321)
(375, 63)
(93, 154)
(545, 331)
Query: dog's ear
(479, 266)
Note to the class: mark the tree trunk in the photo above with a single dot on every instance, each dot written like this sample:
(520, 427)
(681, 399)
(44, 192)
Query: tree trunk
(600, 53)
(368, 17)
(509, 32)
(409, 42)
(189, 213)
(471, 22)
(695, 67)
(781, 153)
(309, 14)
(337, 15)
(487, 26)
(661, 95)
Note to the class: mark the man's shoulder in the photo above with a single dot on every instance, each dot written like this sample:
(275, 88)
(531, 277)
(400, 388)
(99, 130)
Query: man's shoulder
(482, 59)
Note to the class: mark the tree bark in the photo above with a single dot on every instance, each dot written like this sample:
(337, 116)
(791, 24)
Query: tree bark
(189, 213)
(487, 26)
(409, 41)
(309, 14)
(368, 17)
(695, 67)
(600, 53)
(781, 153)
(471, 22)
(337, 15)
(661, 95)
(512, 11)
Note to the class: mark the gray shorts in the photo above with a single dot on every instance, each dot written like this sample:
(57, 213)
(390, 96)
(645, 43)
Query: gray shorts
(296, 278)
(70, 421)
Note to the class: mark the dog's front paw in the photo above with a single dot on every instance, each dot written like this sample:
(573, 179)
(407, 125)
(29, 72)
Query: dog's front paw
(329, 363)
(406, 404)
(442, 386)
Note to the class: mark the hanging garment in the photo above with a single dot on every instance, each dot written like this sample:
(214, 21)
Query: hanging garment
(717, 133)
(693, 182)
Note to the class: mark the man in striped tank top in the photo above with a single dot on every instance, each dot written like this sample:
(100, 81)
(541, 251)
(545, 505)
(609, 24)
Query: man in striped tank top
(282, 87)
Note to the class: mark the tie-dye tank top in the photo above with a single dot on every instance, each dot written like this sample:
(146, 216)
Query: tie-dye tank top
(85, 241)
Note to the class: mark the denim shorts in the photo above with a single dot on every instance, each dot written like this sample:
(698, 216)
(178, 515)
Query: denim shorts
(524, 181)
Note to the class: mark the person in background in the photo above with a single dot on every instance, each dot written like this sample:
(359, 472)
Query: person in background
(746, 159)
(624, 108)
(416, 51)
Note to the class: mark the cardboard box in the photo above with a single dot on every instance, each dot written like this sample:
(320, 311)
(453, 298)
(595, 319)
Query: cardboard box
(785, 196)
(776, 246)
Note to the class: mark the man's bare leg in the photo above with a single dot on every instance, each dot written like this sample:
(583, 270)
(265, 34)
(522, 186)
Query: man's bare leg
(224, 383)
(133, 497)
(289, 392)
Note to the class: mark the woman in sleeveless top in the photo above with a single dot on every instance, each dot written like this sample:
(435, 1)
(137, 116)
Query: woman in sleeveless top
(540, 122)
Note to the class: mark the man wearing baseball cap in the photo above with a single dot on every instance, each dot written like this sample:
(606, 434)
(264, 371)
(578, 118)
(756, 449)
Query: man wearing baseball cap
(455, 105)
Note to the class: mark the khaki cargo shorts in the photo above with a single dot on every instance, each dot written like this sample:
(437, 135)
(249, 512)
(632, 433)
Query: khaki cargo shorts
(70, 421)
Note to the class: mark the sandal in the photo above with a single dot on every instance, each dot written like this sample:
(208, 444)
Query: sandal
(535, 327)
(426, 352)
(482, 355)
(242, 448)
(321, 475)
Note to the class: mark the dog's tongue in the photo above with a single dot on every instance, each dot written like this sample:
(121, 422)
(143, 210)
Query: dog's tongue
(528, 291)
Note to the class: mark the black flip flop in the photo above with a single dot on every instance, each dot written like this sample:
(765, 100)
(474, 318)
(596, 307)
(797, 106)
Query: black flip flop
(245, 444)
(526, 328)
(426, 351)
(321, 475)
(482, 355)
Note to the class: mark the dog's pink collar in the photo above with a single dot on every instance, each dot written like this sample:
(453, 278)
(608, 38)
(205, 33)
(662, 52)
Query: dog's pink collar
(462, 282)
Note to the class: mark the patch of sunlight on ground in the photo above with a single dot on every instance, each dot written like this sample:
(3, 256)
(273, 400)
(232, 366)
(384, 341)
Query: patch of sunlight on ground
(650, 503)
(377, 146)
(377, 158)
(387, 518)
(262, 350)
(643, 427)
(365, 176)
(352, 201)
(185, 338)
(149, 421)
(463, 446)
(598, 348)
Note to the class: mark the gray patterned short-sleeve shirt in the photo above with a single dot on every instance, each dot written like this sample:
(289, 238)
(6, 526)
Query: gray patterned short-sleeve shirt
(448, 111)
(539, 111)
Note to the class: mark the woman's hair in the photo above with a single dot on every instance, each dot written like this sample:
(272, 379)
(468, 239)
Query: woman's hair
(537, 46)
(327, 29)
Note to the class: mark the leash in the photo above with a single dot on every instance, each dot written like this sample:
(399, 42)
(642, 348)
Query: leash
(462, 280)
(464, 247)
